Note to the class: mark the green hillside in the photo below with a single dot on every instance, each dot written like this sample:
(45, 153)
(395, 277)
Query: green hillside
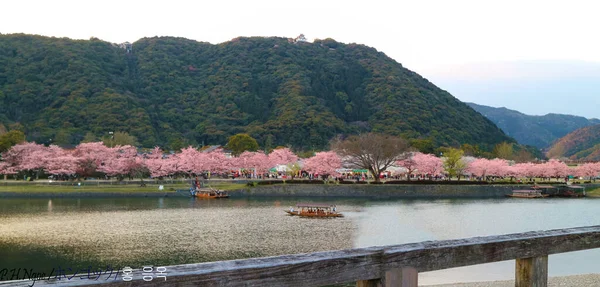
(538, 131)
(173, 91)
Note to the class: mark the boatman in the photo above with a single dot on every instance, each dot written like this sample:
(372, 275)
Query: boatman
(291, 209)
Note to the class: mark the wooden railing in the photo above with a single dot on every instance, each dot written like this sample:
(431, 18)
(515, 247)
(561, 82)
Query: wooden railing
(396, 265)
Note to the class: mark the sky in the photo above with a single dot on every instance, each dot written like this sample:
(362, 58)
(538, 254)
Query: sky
(461, 46)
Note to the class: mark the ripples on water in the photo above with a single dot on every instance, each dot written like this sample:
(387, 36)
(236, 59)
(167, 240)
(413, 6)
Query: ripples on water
(167, 231)
(198, 232)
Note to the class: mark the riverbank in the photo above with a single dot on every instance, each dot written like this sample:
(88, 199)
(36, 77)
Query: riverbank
(41, 189)
(383, 191)
(584, 280)
(95, 189)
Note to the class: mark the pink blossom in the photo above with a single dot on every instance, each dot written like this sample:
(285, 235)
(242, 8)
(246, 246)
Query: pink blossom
(325, 163)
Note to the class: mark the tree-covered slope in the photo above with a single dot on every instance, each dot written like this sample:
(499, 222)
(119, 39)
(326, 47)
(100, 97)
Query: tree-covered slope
(172, 91)
(582, 144)
(538, 131)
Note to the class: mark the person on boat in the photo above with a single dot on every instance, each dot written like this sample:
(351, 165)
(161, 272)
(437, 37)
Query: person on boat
(291, 209)
(334, 208)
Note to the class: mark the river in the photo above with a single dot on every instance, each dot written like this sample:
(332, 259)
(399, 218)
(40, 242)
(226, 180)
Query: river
(75, 233)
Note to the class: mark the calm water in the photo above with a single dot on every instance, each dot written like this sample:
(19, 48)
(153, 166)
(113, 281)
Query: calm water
(74, 233)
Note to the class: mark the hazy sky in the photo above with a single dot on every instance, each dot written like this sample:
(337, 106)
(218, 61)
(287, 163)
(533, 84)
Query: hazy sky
(429, 37)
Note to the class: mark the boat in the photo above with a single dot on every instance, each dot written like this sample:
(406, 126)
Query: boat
(208, 193)
(547, 189)
(571, 191)
(528, 193)
(314, 210)
(203, 190)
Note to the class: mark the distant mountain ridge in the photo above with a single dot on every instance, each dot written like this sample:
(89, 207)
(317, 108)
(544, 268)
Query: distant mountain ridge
(581, 144)
(174, 92)
(538, 131)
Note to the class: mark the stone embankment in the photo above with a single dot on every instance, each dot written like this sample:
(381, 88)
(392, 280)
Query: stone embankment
(379, 191)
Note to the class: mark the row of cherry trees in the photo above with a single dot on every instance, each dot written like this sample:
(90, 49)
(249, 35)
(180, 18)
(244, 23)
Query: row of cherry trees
(89, 158)
(428, 166)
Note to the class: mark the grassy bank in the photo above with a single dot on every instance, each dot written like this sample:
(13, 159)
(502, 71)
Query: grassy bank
(595, 192)
(35, 187)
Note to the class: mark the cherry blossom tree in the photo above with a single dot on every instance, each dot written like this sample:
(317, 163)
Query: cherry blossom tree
(409, 163)
(554, 168)
(190, 161)
(122, 161)
(428, 165)
(29, 157)
(479, 167)
(323, 163)
(6, 169)
(61, 162)
(282, 156)
(157, 163)
(91, 156)
(257, 161)
(216, 162)
(527, 170)
(588, 170)
(498, 167)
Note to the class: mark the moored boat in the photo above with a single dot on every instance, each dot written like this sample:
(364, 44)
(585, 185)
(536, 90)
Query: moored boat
(527, 193)
(209, 193)
(571, 191)
(314, 210)
(204, 192)
(547, 189)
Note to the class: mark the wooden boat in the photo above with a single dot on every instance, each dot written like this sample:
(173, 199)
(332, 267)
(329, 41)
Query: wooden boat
(314, 210)
(528, 193)
(571, 191)
(204, 193)
(547, 189)
(209, 193)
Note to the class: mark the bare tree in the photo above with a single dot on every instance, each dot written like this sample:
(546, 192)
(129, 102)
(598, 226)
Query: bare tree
(374, 152)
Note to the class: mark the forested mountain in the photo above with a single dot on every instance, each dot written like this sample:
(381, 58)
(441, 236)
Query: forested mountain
(173, 91)
(538, 131)
(582, 144)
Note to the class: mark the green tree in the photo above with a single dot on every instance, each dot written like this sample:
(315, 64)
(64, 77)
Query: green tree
(269, 144)
(10, 139)
(119, 138)
(293, 169)
(3, 129)
(504, 150)
(453, 163)
(240, 143)
(471, 150)
(178, 143)
(423, 145)
(62, 137)
(89, 138)
(16, 127)
(305, 154)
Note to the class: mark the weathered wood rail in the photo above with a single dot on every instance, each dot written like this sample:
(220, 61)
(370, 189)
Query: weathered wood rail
(396, 265)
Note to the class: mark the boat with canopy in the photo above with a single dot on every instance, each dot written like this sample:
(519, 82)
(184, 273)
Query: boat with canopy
(314, 210)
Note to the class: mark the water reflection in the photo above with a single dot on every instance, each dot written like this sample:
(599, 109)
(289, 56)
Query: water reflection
(164, 231)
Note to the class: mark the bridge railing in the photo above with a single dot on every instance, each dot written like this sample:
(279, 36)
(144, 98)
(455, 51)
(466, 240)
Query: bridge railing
(396, 265)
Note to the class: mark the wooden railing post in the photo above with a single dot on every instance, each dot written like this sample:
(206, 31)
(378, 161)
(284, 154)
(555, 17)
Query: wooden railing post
(401, 277)
(369, 283)
(531, 272)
